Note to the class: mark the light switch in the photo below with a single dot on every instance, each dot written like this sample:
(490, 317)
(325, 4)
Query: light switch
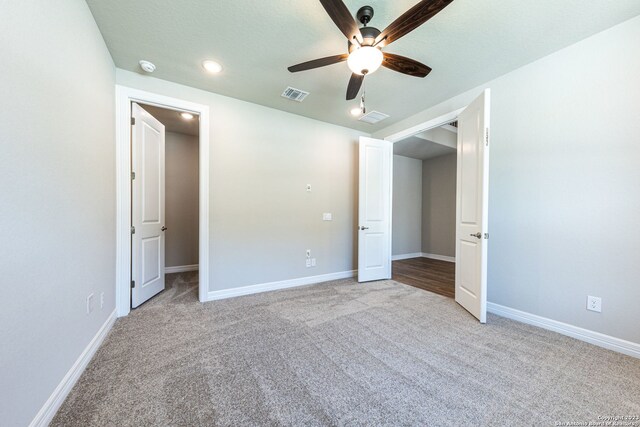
(327, 217)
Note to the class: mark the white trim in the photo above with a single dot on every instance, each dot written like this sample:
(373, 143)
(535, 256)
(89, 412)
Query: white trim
(439, 257)
(181, 268)
(606, 341)
(284, 284)
(430, 124)
(53, 403)
(406, 256)
(124, 97)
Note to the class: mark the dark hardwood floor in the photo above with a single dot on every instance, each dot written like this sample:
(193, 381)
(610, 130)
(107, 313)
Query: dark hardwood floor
(425, 273)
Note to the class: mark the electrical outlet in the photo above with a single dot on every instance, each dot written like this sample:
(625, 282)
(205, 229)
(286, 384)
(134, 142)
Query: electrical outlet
(308, 263)
(308, 253)
(328, 216)
(313, 262)
(308, 188)
(594, 304)
(101, 300)
(89, 303)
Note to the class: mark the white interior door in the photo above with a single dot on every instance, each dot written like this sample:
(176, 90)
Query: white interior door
(147, 206)
(472, 207)
(374, 210)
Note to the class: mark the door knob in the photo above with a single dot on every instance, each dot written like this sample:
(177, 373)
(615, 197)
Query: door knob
(163, 228)
(477, 235)
(362, 227)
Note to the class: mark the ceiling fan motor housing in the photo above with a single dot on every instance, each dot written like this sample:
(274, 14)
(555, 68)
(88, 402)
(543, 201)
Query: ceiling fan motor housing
(369, 35)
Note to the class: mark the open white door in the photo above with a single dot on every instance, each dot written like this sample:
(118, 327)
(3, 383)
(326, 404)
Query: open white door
(374, 210)
(472, 207)
(147, 206)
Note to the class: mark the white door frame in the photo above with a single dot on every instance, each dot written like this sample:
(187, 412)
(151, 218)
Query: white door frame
(419, 128)
(124, 97)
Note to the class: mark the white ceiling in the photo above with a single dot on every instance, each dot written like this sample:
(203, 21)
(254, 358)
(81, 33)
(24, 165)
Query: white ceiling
(426, 145)
(172, 120)
(468, 43)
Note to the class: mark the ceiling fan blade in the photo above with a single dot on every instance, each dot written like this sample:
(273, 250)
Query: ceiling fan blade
(405, 65)
(317, 63)
(342, 18)
(410, 20)
(355, 82)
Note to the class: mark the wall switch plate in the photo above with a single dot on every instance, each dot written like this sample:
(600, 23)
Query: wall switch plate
(594, 304)
(308, 188)
(308, 253)
(308, 263)
(89, 303)
(327, 216)
(101, 300)
(313, 262)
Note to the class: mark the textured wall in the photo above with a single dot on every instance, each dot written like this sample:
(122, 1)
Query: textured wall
(57, 215)
(181, 185)
(563, 198)
(439, 205)
(407, 205)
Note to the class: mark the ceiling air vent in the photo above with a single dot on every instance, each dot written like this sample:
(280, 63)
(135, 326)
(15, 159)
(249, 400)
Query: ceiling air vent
(373, 117)
(294, 94)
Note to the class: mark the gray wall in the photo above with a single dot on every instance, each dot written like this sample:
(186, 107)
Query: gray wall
(564, 176)
(262, 219)
(181, 184)
(57, 215)
(407, 205)
(439, 205)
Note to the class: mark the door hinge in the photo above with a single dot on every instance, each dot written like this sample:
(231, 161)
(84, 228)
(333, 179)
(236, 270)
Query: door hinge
(133, 230)
(133, 284)
(486, 137)
(133, 121)
(133, 176)
(486, 235)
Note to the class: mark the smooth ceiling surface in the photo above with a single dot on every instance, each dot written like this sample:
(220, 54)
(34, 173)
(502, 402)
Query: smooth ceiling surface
(172, 120)
(468, 43)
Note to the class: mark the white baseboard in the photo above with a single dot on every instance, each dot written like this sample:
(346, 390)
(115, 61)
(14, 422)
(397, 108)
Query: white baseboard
(616, 344)
(406, 256)
(439, 257)
(272, 286)
(51, 406)
(181, 268)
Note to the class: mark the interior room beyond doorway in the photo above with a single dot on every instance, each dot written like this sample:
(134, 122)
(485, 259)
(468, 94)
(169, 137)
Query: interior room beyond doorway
(424, 210)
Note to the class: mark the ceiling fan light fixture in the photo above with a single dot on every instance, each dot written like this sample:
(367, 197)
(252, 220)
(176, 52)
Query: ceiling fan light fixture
(365, 60)
(356, 111)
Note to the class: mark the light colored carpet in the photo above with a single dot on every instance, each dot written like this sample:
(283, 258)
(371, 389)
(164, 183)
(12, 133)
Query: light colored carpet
(339, 354)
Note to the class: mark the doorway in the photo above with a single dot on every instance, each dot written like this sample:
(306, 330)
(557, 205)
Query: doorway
(125, 97)
(424, 209)
(472, 190)
(164, 203)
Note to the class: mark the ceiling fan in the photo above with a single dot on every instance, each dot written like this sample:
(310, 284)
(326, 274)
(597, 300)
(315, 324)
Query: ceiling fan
(365, 44)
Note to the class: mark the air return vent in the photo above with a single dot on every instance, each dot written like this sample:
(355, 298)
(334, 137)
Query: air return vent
(294, 94)
(373, 117)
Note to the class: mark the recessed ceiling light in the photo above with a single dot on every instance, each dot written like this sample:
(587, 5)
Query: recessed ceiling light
(187, 116)
(355, 112)
(211, 66)
(147, 66)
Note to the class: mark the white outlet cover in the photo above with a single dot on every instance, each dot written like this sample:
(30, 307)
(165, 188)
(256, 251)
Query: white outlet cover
(327, 216)
(89, 303)
(308, 188)
(594, 304)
